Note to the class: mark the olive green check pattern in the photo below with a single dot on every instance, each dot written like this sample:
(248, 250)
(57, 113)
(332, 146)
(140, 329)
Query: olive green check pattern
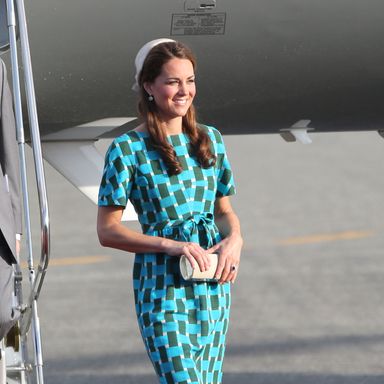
(183, 324)
(134, 170)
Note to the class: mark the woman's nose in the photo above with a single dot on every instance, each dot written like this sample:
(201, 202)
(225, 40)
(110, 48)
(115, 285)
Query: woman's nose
(183, 89)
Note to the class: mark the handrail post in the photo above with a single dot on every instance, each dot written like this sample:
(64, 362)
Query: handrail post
(36, 146)
(36, 280)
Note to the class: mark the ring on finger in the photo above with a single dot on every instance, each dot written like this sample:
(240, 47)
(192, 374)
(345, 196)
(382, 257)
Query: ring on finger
(233, 268)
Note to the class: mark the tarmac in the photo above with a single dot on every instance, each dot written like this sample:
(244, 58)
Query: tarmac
(308, 305)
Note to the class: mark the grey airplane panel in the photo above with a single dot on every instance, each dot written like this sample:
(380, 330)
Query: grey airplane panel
(4, 37)
(262, 65)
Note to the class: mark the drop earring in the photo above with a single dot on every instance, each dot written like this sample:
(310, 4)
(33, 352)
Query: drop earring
(150, 98)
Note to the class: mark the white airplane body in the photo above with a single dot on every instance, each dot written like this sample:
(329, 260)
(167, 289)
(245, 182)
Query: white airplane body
(281, 66)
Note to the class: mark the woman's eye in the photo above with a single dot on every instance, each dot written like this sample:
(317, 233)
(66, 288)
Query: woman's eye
(176, 82)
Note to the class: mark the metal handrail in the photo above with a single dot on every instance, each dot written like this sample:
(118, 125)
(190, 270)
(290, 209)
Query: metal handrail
(36, 279)
(36, 147)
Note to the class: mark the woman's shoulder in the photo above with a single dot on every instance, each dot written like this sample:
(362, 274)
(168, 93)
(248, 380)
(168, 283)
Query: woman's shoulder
(129, 141)
(213, 133)
(124, 148)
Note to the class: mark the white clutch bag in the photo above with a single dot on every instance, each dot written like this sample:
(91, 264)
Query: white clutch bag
(190, 273)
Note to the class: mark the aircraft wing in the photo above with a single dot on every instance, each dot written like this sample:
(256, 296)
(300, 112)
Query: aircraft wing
(78, 154)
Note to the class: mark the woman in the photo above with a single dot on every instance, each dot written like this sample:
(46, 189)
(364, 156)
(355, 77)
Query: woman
(176, 174)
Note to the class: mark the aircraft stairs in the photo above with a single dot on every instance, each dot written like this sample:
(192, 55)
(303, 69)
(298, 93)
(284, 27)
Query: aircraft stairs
(15, 362)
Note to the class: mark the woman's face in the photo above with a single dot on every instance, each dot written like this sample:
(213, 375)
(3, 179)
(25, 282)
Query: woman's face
(174, 89)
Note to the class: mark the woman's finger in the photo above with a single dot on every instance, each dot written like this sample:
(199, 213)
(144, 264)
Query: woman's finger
(229, 272)
(203, 254)
(196, 256)
(214, 248)
(220, 267)
(233, 275)
(190, 258)
(225, 274)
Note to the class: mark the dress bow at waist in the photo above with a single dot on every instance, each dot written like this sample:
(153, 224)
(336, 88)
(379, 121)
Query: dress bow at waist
(198, 228)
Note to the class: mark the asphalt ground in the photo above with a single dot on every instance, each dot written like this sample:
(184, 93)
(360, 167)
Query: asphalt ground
(308, 305)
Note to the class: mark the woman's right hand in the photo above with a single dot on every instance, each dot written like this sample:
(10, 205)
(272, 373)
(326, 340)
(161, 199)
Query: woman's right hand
(196, 255)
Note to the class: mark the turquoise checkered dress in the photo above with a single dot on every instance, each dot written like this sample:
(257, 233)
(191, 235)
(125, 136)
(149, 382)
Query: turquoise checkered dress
(183, 324)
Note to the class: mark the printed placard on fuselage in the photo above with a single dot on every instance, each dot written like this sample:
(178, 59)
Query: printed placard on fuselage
(198, 24)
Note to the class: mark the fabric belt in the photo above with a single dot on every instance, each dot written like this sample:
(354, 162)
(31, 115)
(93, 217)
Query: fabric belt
(188, 230)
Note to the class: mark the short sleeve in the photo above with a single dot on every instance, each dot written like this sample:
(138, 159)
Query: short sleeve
(116, 183)
(225, 181)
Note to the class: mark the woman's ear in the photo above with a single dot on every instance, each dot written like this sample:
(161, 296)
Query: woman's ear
(148, 88)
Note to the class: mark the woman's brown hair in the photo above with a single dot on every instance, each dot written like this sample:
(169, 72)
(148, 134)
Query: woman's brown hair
(199, 139)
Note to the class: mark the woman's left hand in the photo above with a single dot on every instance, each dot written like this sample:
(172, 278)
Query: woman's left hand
(228, 250)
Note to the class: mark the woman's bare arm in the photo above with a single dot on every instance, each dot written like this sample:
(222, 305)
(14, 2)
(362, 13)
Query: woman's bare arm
(112, 233)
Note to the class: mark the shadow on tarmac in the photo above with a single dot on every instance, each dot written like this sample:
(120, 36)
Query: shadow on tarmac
(229, 378)
(70, 370)
(305, 345)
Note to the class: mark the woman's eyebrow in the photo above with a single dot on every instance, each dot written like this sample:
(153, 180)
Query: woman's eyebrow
(178, 78)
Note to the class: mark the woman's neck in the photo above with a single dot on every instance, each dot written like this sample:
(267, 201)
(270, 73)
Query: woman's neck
(173, 126)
